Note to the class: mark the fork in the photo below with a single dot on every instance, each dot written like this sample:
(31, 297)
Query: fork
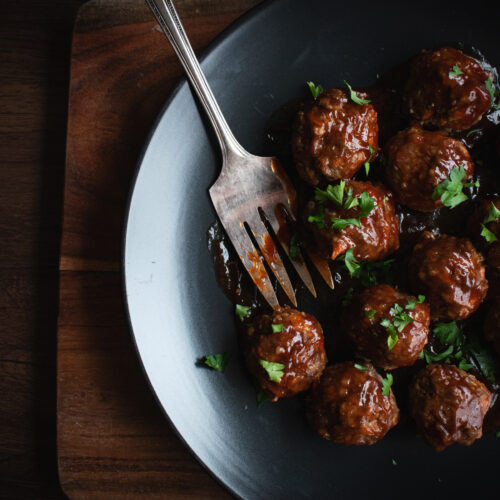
(249, 189)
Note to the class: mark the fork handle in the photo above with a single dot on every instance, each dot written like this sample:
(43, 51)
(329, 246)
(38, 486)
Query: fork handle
(170, 23)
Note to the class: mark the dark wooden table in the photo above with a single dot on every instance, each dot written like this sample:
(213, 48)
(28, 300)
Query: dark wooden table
(35, 39)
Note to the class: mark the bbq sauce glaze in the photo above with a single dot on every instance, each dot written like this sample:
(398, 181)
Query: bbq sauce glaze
(483, 142)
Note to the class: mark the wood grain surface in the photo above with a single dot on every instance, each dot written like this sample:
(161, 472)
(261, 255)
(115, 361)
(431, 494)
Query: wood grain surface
(113, 441)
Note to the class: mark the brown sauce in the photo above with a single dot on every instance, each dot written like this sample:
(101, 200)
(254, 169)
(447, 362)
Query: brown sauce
(385, 95)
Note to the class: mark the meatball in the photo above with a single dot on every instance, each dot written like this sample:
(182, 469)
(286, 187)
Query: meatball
(292, 342)
(450, 272)
(347, 406)
(377, 235)
(448, 405)
(492, 324)
(416, 161)
(332, 137)
(399, 313)
(439, 95)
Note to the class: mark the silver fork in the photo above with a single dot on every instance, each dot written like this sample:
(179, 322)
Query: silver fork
(247, 186)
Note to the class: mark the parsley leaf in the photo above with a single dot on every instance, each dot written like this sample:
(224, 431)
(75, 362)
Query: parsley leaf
(497, 434)
(340, 224)
(493, 214)
(394, 462)
(456, 71)
(350, 262)
(318, 217)
(367, 163)
(448, 333)
(242, 311)
(372, 151)
(262, 397)
(387, 383)
(489, 87)
(366, 204)
(470, 132)
(431, 357)
(392, 338)
(488, 235)
(367, 168)
(350, 201)
(315, 90)
(370, 313)
(347, 299)
(331, 193)
(274, 370)
(360, 367)
(293, 251)
(412, 302)
(277, 328)
(400, 319)
(217, 361)
(463, 365)
(450, 190)
(484, 359)
(354, 96)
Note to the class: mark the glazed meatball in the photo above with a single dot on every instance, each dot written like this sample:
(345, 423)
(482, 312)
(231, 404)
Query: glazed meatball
(450, 272)
(437, 95)
(417, 160)
(409, 320)
(347, 406)
(376, 237)
(294, 340)
(448, 405)
(492, 324)
(331, 137)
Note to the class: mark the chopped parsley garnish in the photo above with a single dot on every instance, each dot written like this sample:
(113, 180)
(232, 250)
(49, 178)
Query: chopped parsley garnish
(217, 362)
(331, 193)
(491, 90)
(431, 357)
(387, 383)
(456, 71)
(318, 217)
(488, 235)
(315, 90)
(277, 328)
(492, 215)
(412, 302)
(340, 224)
(483, 357)
(470, 132)
(293, 251)
(463, 365)
(450, 190)
(242, 311)
(262, 397)
(274, 370)
(366, 204)
(351, 262)
(401, 319)
(367, 163)
(370, 313)
(392, 338)
(360, 367)
(394, 462)
(497, 434)
(448, 333)
(354, 96)
(335, 194)
(348, 297)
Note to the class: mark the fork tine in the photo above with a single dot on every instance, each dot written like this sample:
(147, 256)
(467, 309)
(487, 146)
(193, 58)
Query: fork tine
(299, 264)
(270, 253)
(322, 266)
(251, 260)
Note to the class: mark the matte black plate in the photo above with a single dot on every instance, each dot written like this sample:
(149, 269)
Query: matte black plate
(178, 313)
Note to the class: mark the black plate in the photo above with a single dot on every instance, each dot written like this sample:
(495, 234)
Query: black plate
(178, 313)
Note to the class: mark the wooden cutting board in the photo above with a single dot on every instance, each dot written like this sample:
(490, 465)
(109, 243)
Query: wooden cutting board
(113, 441)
